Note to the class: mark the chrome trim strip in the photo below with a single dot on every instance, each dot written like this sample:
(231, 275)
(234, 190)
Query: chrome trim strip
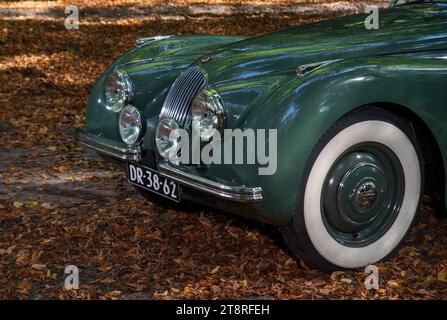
(140, 42)
(108, 147)
(305, 69)
(238, 193)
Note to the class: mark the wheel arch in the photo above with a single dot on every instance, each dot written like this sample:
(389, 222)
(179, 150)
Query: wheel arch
(435, 179)
(434, 175)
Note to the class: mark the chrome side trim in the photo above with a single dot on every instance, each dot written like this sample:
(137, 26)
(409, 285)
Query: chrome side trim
(146, 40)
(238, 193)
(305, 69)
(108, 147)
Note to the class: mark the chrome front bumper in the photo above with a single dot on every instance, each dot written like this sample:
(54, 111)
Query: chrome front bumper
(108, 147)
(229, 192)
(237, 193)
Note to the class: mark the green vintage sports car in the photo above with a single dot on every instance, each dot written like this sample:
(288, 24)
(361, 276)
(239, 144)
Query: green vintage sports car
(357, 116)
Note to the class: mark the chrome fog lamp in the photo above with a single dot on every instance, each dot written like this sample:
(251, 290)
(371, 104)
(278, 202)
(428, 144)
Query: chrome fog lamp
(131, 125)
(167, 143)
(207, 113)
(118, 90)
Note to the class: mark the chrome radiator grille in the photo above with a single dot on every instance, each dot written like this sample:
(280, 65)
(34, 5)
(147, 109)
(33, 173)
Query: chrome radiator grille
(178, 101)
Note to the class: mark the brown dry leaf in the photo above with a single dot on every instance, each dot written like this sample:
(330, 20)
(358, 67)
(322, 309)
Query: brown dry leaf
(108, 280)
(43, 130)
(325, 291)
(442, 276)
(113, 294)
(46, 205)
(205, 221)
(335, 275)
(31, 204)
(24, 286)
(38, 266)
(318, 283)
(393, 284)
(137, 232)
(63, 168)
(105, 267)
(47, 241)
(231, 232)
(17, 204)
(23, 257)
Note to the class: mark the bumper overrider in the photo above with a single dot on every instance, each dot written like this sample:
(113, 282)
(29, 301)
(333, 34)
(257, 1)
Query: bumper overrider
(180, 174)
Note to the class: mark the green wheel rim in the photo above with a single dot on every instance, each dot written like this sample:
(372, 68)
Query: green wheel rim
(362, 194)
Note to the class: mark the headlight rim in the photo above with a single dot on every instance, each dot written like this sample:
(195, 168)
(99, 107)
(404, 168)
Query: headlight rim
(141, 126)
(219, 109)
(129, 92)
(172, 124)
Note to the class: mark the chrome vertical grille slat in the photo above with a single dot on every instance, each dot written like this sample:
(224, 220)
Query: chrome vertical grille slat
(189, 95)
(183, 95)
(174, 93)
(177, 93)
(178, 101)
(200, 83)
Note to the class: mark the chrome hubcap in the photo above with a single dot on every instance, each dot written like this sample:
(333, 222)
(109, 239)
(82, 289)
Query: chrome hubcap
(364, 196)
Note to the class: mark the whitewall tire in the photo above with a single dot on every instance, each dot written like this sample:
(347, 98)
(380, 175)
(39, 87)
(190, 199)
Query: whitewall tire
(360, 193)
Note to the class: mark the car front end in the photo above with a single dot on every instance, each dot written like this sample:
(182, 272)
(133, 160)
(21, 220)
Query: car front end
(138, 101)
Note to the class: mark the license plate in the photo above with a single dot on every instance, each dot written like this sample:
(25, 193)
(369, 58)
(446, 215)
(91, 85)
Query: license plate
(151, 180)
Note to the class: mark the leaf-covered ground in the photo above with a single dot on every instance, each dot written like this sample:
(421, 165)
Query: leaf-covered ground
(60, 204)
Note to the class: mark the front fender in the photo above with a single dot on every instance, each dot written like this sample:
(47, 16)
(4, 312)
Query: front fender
(304, 108)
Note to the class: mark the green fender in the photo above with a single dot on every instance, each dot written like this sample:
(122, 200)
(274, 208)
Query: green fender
(303, 108)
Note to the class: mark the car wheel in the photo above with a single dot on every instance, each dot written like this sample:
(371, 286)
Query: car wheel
(359, 194)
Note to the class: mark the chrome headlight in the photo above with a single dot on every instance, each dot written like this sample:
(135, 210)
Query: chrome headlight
(207, 113)
(131, 125)
(118, 90)
(166, 139)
